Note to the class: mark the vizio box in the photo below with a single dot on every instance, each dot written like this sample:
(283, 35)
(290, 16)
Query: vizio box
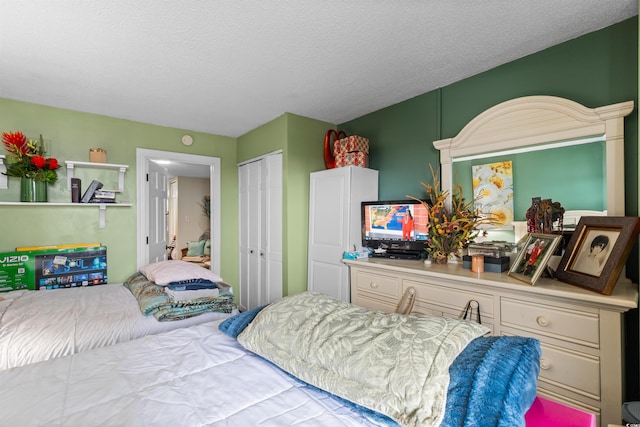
(53, 268)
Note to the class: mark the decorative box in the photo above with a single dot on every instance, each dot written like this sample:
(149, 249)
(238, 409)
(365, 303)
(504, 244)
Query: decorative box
(355, 158)
(350, 144)
(97, 155)
(491, 264)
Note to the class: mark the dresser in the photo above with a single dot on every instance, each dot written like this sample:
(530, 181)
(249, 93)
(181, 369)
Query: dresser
(580, 331)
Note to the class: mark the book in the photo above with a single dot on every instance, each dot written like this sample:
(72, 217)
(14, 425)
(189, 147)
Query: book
(99, 200)
(95, 185)
(76, 190)
(104, 194)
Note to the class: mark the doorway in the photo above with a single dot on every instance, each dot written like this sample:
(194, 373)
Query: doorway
(144, 211)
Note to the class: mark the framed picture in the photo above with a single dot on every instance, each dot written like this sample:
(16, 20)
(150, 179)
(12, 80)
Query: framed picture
(533, 257)
(597, 252)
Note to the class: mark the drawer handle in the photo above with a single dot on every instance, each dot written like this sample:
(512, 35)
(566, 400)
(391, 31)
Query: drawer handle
(544, 364)
(542, 321)
(373, 285)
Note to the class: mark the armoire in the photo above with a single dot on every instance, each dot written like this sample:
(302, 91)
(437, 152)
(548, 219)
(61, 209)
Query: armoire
(335, 197)
(260, 230)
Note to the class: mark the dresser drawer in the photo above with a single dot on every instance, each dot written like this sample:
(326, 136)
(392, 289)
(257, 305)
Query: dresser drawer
(573, 371)
(450, 300)
(376, 284)
(573, 325)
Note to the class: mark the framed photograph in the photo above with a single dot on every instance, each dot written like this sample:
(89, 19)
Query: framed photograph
(533, 257)
(598, 251)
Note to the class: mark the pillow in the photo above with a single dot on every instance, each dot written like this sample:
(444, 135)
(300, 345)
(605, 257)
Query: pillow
(165, 272)
(394, 364)
(207, 248)
(195, 248)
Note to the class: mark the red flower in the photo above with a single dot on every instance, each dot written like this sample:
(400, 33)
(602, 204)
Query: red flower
(15, 142)
(38, 161)
(53, 163)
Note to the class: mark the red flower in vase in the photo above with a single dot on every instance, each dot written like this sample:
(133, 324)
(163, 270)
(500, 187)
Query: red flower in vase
(26, 158)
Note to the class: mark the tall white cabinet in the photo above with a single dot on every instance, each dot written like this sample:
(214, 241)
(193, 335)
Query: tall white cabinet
(335, 225)
(260, 230)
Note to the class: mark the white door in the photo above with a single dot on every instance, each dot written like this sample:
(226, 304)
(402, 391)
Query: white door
(250, 211)
(329, 205)
(172, 214)
(157, 203)
(260, 231)
(273, 244)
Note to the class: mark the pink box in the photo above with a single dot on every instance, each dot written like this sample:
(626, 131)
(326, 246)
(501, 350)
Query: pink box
(547, 413)
(356, 158)
(350, 144)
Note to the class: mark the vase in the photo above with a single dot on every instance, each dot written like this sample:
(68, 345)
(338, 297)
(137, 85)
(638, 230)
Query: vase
(440, 259)
(33, 191)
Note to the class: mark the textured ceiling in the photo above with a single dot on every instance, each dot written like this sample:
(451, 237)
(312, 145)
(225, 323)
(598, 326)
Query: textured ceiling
(226, 67)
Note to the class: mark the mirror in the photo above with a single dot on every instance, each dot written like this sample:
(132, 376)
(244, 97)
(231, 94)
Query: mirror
(526, 130)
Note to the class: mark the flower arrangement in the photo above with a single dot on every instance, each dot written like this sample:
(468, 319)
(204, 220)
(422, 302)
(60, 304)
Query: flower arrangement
(451, 227)
(26, 158)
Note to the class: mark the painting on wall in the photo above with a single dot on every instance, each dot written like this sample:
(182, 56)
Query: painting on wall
(493, 193)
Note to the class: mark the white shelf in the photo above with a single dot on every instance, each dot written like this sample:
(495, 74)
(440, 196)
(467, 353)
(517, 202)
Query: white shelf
(102, 207)
(72, 164)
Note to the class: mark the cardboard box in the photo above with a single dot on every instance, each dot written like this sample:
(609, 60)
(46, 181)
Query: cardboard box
(356, 158)
(350, 144)
(53, 268)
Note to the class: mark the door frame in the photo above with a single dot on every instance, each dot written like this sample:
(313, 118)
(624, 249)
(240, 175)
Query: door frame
(143, 157)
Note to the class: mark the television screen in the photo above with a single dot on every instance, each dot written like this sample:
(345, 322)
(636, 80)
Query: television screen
(398, 225)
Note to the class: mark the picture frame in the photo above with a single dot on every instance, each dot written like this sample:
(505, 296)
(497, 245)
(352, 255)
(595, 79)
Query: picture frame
(533, 257)
(597, 252)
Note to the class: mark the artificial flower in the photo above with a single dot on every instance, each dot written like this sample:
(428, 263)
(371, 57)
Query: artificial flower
(452, 225)
(26, 158)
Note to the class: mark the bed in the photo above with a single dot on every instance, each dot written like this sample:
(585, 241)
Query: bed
(40, 325)
(304, 360)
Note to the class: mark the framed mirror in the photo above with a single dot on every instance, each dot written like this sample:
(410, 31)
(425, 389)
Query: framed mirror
(525, 129)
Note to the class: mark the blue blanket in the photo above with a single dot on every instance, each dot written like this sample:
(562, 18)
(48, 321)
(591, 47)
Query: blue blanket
(492, 382)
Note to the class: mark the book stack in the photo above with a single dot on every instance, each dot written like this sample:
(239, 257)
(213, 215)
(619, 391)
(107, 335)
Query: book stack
(103, 196)
(88, 194)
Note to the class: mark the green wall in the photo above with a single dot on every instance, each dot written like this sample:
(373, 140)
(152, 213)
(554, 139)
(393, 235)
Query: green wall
(301, 141)
(69, 135)
(597, 69)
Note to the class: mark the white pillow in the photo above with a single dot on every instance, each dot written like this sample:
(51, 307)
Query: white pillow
(165, 272)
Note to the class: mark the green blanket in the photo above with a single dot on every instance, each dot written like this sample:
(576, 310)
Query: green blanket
(394, 364)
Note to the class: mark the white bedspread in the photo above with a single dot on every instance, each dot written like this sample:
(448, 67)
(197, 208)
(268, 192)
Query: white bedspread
(194, 376)
(40, 325)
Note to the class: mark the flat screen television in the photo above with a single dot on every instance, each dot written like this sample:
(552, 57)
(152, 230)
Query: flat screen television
(395, 228)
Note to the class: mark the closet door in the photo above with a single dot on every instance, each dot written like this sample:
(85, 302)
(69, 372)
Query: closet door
(260, 231)
(273, 235)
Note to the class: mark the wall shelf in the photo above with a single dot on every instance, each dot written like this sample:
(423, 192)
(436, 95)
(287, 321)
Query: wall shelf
(72, 164)
(101, 206)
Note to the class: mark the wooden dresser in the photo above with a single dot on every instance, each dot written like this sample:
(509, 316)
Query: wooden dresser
(580, 331)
